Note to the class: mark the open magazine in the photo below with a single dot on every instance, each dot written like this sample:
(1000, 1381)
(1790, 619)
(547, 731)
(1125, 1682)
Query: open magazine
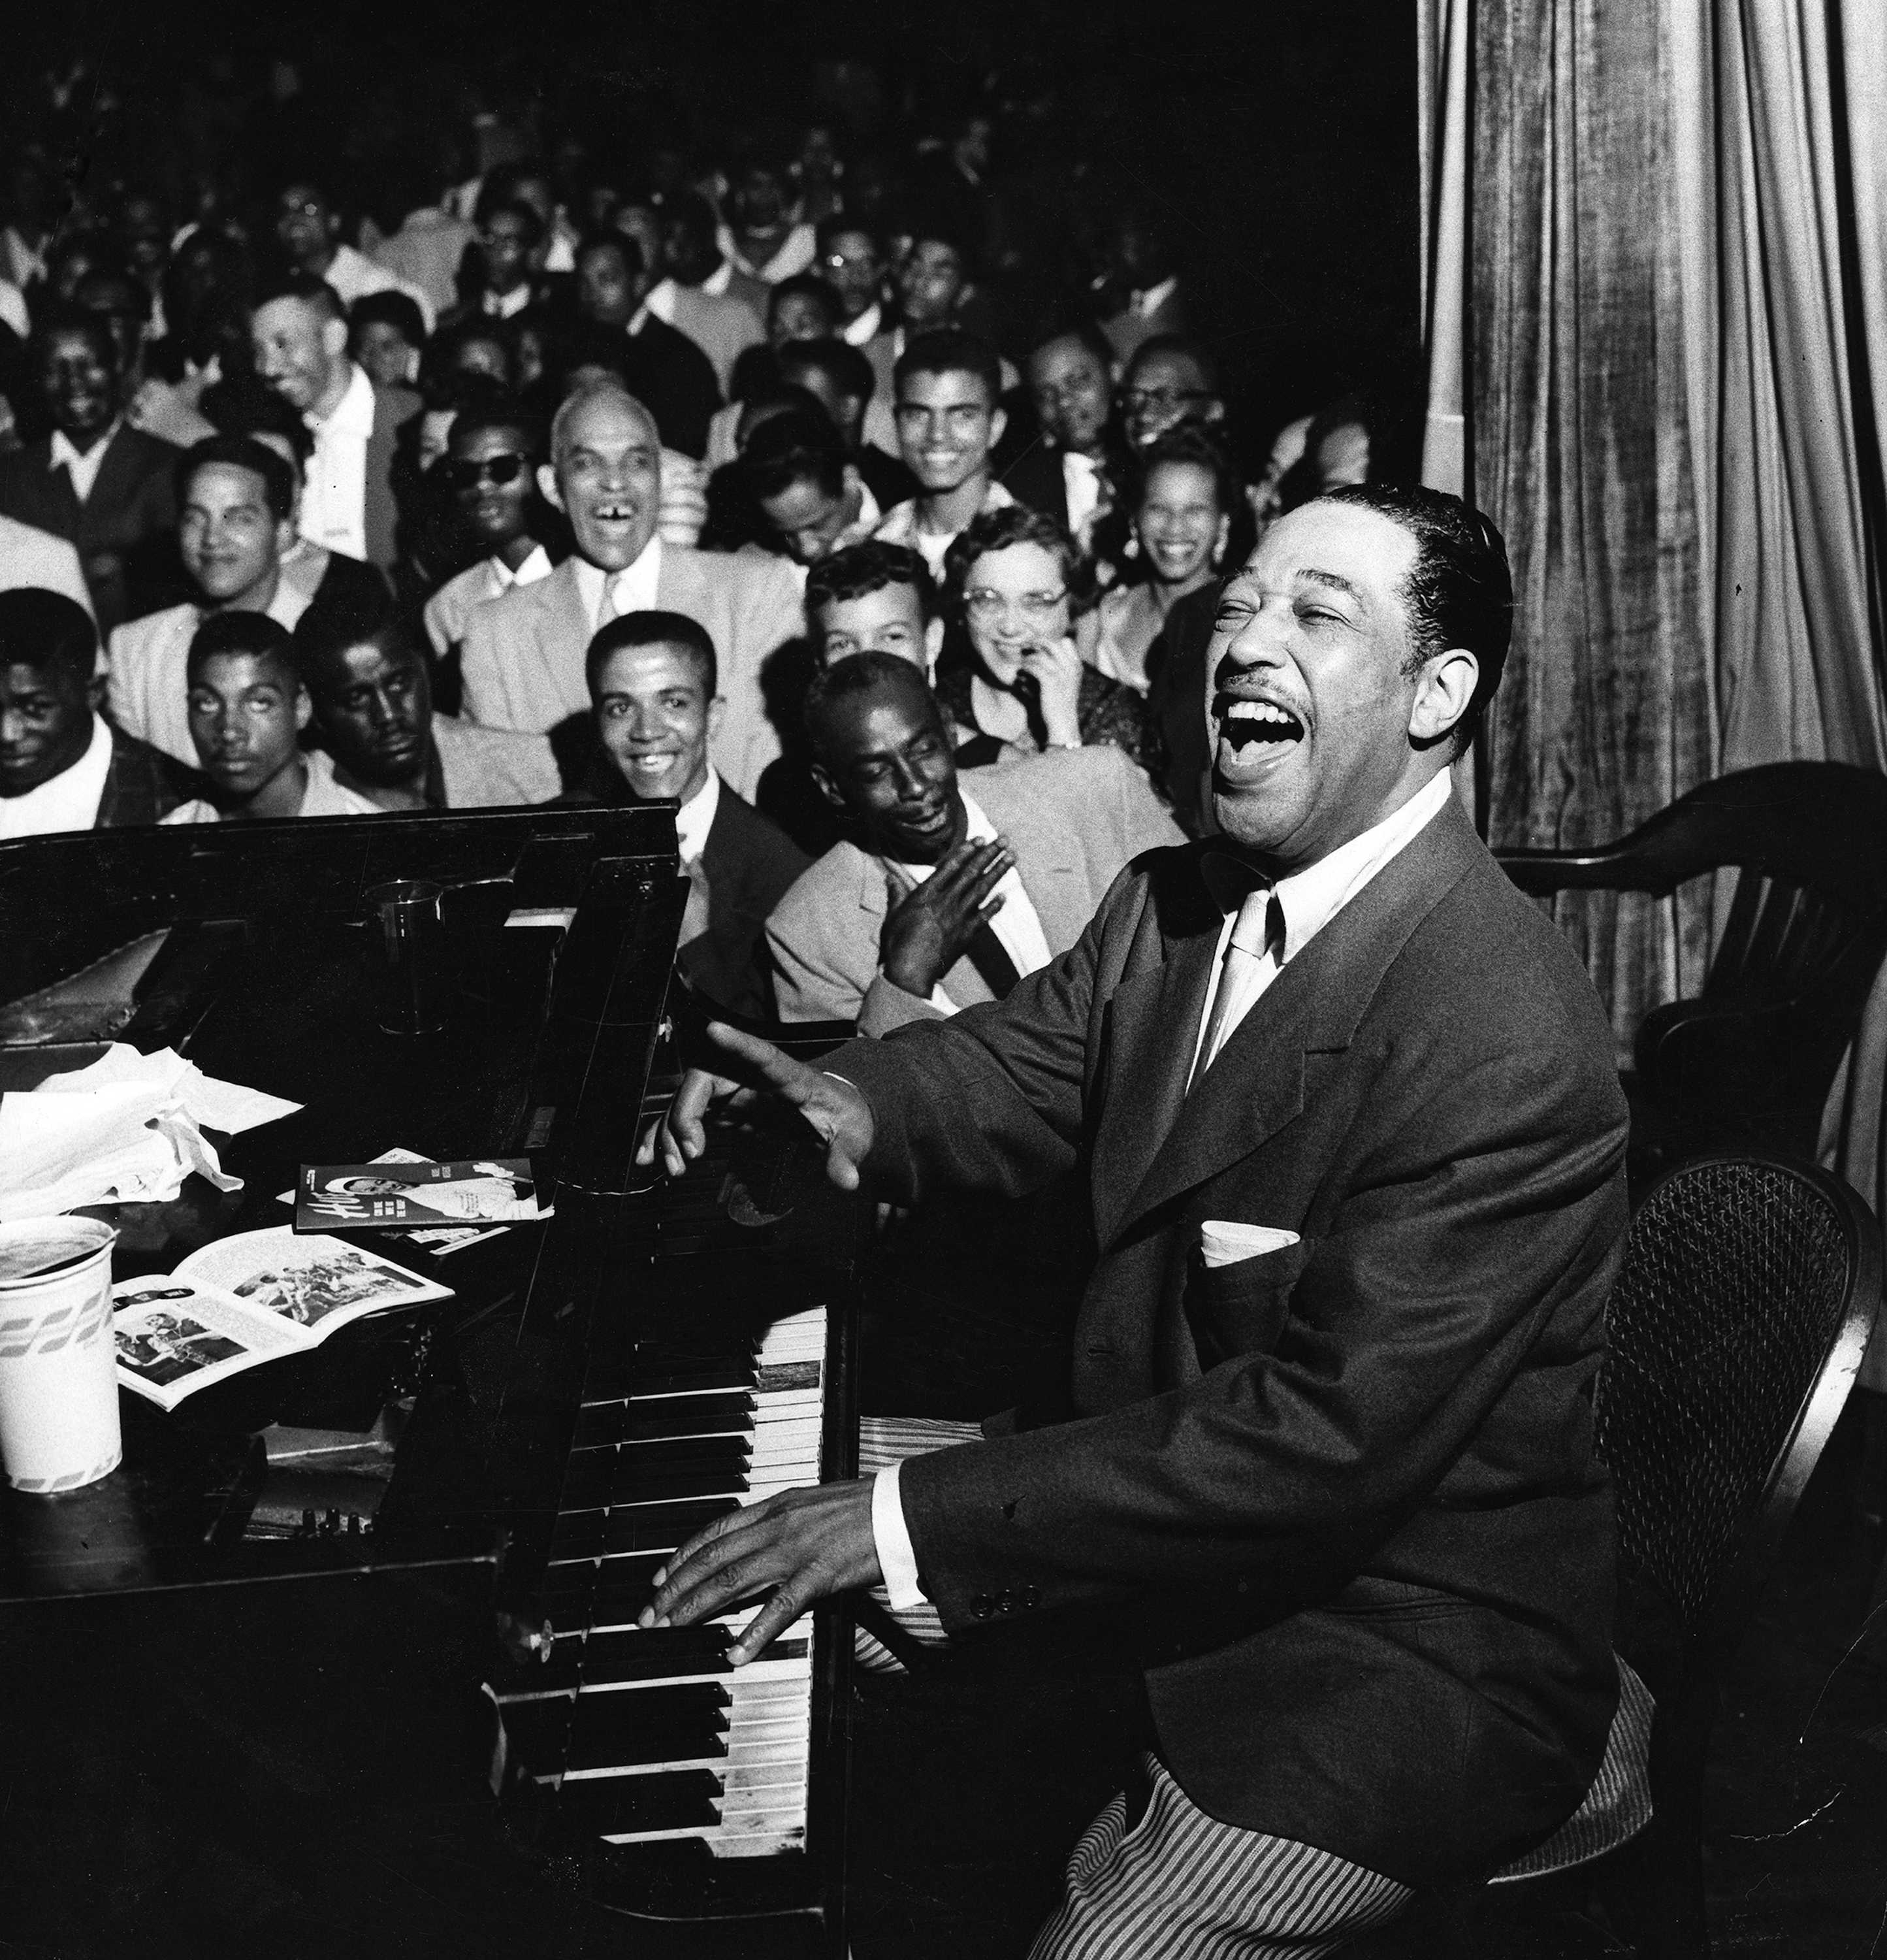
(246, 1299)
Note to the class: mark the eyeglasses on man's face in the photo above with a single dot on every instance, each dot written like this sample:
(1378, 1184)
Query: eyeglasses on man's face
(1160, 401)
(463, 475)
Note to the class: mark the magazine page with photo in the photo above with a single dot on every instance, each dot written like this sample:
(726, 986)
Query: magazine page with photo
(173, 1338)
(393, 1191)
(315, 1282)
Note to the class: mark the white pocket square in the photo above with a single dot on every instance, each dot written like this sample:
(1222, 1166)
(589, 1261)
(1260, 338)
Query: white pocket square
(1224, 1241)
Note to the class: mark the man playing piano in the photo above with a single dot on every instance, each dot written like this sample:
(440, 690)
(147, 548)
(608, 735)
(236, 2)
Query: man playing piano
(1355, 1148)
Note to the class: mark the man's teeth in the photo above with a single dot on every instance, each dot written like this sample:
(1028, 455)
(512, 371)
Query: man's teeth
(614, 513)
(1260, 721)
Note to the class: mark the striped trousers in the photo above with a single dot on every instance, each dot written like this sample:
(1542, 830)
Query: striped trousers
(1154, 1877)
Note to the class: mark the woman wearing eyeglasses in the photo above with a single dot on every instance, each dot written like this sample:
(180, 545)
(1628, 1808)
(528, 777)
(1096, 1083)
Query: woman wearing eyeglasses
(1015, 669)
(1181, 501)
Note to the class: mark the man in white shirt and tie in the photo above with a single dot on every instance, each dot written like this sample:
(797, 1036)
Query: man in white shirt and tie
(1070, 474)
(938, 897)
(1336, 1499)
(299, 334)
(524, 652)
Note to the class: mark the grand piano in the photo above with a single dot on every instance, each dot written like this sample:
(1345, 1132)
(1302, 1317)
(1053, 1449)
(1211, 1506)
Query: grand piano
(342, 1658)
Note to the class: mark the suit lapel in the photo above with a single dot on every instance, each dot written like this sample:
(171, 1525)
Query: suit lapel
(64, 513)
(563, 636)
(115, 485)
(1256, 1087)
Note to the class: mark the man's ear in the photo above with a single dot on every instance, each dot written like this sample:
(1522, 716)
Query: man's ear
(998, 422)
(1444, 689)
(1215, 411)
(827, 788)
(285, 538)
(716, 715)
(304, 709)
(95, 693)
(547, 486)
(333, 338)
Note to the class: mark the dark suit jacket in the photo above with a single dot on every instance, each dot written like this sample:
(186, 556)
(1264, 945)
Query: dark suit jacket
(675, 381)
(122, 532)
(750, 863)
(142, 785)
(393, 407)
(1176, 700)
(1341, 1493)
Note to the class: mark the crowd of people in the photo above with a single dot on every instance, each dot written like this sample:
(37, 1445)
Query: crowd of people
(793, 494)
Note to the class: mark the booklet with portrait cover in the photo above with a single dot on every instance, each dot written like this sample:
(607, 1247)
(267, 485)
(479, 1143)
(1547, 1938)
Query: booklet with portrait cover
(246, 1299)
(396, 1193)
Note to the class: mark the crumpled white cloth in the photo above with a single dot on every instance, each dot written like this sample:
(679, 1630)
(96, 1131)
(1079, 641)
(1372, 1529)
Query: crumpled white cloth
(127, 1128)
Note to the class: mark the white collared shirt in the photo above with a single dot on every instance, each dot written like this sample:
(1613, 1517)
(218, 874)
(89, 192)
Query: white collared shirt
(322, 796)
(866, 327)
(633, 589)
(660, 302)
(1081, 485)
(82, 469)
(1017, 924)
(695, 818)
(505, 305)
(718, 281)
(537, 566)
(1309, 900)
(900, 528)
(334, 502)
(1153, 298)
(67, 801)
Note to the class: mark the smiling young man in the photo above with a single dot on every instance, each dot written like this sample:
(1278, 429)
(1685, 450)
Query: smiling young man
(1072, 474)
(236, 496)
(936, 897)
(62, 766)
(652, 683)
(523, 665)
(947, 387)
(1321, 1458)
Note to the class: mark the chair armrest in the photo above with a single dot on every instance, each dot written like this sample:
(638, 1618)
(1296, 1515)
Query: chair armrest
(1606, 868)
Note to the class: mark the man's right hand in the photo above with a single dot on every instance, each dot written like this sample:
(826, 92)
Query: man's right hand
(930, 928)
(840, 1116)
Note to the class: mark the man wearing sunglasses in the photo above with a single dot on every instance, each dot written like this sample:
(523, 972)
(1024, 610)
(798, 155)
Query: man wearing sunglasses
(491, 463)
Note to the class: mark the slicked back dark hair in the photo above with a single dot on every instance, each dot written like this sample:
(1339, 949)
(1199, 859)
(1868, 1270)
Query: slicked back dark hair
(368, 618)
(41, 629)
(309, 288)
(653, 628)
(858, 673)
(844, 366)
(1087, 334)
(253, 633)
(806, 286)
(500, 411)
(795, 447)
(949, 350)
(860, 570)
(1459, 591)
(242, 451)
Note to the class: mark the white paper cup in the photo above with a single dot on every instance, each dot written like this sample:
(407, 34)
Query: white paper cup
(58, 1379)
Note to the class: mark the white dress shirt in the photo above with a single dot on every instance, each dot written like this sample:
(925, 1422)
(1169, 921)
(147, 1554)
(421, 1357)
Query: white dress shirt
(867, 326)
(718, 281)
(1309, 900)
(323, 796)
(505, 305)
(659, 300)
(69, 801)
(334, 502)
(13, 311)
(695, 818)
(82, 469)
(1142, 303)
(1017, 924)
(1081, 485)
(900, 527)
(632, 590)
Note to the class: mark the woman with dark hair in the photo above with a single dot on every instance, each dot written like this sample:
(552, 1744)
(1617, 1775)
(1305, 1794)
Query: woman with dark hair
(1181, 501)
(1015, 665)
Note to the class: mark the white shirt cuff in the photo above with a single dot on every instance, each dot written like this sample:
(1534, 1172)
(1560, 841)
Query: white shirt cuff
(897, 1561)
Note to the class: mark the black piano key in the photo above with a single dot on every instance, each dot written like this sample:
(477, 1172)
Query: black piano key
(640, 1655)
(587, 1480)
(666, 1801)
(724, 1480)
(579, 1535)
(636, 1371)
(537, 1673)
(538, 1732)
(684, 1415)
(656, 1725)
(688, 1449)
(659, 1527)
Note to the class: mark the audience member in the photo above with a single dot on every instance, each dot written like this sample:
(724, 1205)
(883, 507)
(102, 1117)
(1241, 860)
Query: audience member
(102, 486)
(308, 230)
(803, 308)
(300, 345)
(947, 389)
(807, 488)
(1074, 473)
(1181, 501)
(62, 766)
(1014, 671)
(237, 500)
(1145, 280)
(502, 284)
(849, 260)
(937, 898)
(248, 707)
(875, 598)
(425, 252)
(493, 456)
(373, 703)
(653, 686)
(112, 292)
(1168, 380)
(523, 661)
(692, 256)
(842, 378)
(386, 335)
(764, 240)
(664, 369)
(722, 324)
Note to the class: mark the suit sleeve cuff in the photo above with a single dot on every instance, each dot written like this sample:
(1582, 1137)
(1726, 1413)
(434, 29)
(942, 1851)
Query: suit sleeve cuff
(896, 1561)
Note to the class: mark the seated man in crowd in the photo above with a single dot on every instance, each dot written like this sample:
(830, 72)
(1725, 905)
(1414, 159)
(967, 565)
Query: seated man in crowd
(102, 486)
(308, 230)
(1145, 279)
(373, 705)
(523, 665)
(300, 338)
(510, 234)
(691, 256)
(947, 389)
(841, 380)
(875, 598)
(1169, 379)
(386, 336)
(62, 765)
(238, 500)
(665, 371)
(721, 324)
(491, 461)
(795, 468)
(653, 681)
(1319, 1461)
(938, 898)
(1073, 474)
(850, 263)
(248, 707)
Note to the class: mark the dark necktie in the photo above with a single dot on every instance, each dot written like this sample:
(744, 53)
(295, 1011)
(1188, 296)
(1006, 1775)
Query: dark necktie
(1028, 691)
(990, 957)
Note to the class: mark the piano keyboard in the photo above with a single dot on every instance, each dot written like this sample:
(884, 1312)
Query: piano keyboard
(652, 1735)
